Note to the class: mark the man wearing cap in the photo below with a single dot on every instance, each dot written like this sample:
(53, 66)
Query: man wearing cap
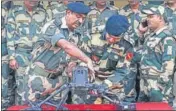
(44, 75)
(157, 58)
(101, 10)
(133, 12)
(115, 54)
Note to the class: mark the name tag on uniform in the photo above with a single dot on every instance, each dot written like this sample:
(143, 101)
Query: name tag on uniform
(169, 50)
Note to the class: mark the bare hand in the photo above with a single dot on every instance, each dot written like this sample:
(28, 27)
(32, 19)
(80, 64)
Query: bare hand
(142, 29)
(13, 64)
(70, 67)
(95, 58)
(91, 68)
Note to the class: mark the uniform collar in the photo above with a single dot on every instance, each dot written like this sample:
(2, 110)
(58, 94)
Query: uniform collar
(106, 7)
(160, 30)
(171, 8)
(64, 25)
(130, 10)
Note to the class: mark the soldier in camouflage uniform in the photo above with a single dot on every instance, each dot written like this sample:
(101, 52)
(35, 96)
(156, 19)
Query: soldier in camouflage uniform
(44, 75)
(97, 17)
(95, 24)
(23, 26)
(8, 82)
(170, 14)
(133, 12)
(157, 58)
(112, 59)
(57, 9)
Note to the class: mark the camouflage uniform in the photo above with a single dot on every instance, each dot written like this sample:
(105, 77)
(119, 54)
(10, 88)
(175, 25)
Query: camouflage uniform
(96, 23)
(7, 79)
(97, 19)
(134, 19)
(156, 67)
(113, 67)
(117, 60)
(171, 19)
(49, 61)
(22, 31)
(56, 9)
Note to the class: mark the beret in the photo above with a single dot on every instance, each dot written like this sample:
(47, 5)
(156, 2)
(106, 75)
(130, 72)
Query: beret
(78, 7)
(116, 25)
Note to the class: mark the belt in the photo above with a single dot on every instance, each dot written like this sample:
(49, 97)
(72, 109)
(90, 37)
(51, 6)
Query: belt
(41, 72)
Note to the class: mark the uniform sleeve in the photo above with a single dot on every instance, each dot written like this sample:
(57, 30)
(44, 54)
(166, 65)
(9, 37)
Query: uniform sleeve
(11, 28)
(56, 38)
(51, 33)
(168, 59)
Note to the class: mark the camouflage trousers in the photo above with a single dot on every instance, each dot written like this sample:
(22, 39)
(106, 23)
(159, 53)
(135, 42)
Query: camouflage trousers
(8, 85)
(40, 86)
(153, 90)
(20, 78)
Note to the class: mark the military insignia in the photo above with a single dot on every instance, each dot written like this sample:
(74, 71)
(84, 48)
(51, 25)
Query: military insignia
(129, 56)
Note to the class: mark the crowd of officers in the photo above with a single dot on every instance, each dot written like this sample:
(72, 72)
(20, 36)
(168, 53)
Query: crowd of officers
(130, 50)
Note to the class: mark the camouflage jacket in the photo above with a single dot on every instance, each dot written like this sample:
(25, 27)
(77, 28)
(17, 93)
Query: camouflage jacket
(171, 19)
(46, 54)
(134, 19)
(23, 30)
(56, 10)
(158, 55)
(113, 58)
(4, 12)
(97, 19)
